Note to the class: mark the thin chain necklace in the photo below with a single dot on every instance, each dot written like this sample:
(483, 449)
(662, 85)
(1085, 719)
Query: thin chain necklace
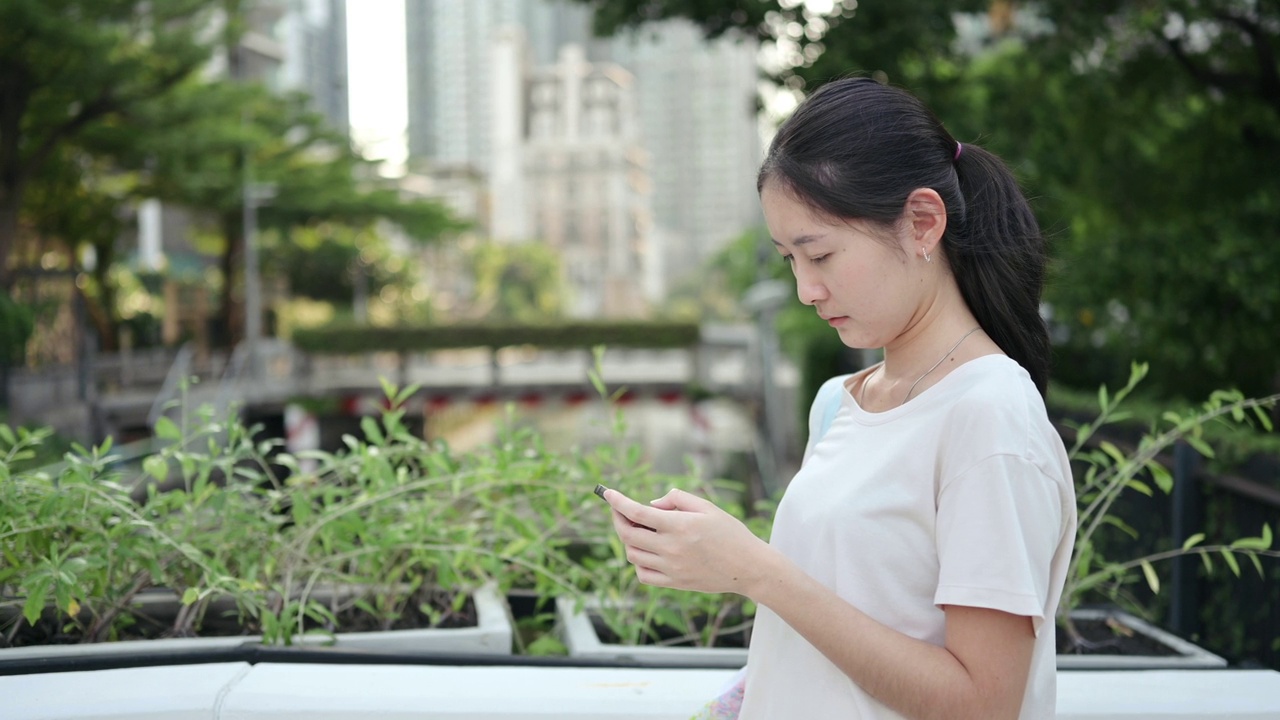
(862, 391)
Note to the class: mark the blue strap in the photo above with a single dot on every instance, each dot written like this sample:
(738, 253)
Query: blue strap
(829, 400)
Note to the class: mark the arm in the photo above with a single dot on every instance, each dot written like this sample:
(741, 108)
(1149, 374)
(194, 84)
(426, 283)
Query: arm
(981, 672)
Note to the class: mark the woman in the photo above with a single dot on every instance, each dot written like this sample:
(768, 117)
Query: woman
(918, 556)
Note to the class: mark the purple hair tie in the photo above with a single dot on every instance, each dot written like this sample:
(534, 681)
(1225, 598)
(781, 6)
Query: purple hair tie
(959, 148)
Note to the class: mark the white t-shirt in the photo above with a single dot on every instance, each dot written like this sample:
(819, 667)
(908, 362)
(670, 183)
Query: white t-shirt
(961, 496)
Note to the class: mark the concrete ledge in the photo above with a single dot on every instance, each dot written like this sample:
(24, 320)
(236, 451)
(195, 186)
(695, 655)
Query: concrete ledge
(181, 692)
(280, 691)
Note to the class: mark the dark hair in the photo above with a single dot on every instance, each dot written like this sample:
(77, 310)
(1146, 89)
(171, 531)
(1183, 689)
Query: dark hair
(855, 149)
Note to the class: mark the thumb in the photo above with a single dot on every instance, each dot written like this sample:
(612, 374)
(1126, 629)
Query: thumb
(677, 499)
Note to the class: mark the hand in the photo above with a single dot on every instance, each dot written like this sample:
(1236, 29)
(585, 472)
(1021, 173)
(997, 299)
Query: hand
(686, 542)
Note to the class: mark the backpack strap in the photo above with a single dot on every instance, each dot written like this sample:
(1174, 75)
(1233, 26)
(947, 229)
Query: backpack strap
(828, 400)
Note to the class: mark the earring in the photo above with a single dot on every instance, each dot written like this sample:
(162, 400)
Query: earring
(926, 256)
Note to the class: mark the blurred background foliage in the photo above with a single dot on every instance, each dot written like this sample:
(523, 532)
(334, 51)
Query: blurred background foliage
(110, 102)
(1145, 133)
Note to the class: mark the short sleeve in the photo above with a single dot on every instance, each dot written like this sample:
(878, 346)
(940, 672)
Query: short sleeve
(999, 524)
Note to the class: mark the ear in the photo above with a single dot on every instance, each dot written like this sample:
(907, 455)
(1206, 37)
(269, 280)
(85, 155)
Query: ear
(926, 220)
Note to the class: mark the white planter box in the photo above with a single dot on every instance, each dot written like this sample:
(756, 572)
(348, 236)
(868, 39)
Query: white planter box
(271, 691)
(1186, 655)
(491, 635)
(580, 637)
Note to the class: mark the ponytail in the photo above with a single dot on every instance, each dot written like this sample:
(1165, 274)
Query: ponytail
(998, 256)
(857, 149)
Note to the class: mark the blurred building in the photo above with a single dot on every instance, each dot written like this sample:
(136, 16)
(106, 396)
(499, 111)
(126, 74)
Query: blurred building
(449, 53)
(314, 38)
(694, 105)
(698, 118)
(568, 170)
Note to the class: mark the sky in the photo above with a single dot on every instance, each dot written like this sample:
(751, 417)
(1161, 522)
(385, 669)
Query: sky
(376, 78)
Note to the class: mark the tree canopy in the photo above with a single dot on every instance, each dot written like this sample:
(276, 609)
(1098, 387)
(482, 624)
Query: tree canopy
(1145, 133)
(106, 102)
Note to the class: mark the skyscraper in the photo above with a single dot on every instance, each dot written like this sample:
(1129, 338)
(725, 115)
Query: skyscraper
(694, 103)
(314, 36)
(450, 74)
(698, 122)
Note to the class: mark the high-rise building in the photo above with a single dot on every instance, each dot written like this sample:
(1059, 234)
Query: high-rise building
(449, 52)
(694, 102)
(314, 36)
(567, 169)
(698, 121)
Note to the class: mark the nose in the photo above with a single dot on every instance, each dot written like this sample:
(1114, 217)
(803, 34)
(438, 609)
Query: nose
(809, 288)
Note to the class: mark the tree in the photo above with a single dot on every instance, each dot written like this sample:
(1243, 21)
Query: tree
(1145, 133)
(202, 142)
(67, 64)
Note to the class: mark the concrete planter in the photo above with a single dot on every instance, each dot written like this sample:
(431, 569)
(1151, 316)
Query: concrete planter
(579, 635)
(1183, 655)
(491, 635)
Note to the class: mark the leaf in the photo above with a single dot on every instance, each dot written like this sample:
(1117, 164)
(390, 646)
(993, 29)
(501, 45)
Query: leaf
(371, 430)
(1140, 486)
(1161, 475)
(190, 595)
(34, 605)
(156, 466)
(1200, 445)
(1193, 541)
(1153, 580)
(1113, 451)
(167, 429)
(1230, 558)
(6, 434)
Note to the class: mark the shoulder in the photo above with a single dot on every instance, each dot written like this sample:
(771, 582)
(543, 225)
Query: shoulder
(995, 408)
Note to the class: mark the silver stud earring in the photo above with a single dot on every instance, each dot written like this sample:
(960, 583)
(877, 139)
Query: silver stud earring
(926, 256)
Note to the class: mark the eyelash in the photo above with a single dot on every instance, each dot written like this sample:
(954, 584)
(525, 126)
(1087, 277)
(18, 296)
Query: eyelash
(815, 260)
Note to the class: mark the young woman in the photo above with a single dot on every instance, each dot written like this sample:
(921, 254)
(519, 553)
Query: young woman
(918, 556)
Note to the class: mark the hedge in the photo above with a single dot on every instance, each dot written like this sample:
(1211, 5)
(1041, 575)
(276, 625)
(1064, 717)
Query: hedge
(353, 339)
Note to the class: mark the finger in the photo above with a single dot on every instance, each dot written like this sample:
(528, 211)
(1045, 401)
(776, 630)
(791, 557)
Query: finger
(649, 576)
(678, 499)
(664, 503)
(642, 558)
(644, 515)
(621, 522)
(635, 535)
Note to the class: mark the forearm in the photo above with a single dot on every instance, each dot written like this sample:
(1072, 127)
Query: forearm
(917, 679)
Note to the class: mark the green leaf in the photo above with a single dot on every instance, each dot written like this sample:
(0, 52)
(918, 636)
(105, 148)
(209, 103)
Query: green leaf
(34, 605)
(1113, 451)
(190, 595)
(7, 434)
(1193, 541)
(371, 430)
(1230, 559)
(1153, 580)
(1253, 543)
(1139, 486)
(156, 466)
(1208, 564)
(1200, 445)
(167, 429)
(1161, 475)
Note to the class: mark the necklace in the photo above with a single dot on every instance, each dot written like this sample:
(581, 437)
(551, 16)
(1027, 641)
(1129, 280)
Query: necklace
(862, 391)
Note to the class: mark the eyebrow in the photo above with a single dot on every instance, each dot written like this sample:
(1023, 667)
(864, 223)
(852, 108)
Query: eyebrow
(802, 240)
